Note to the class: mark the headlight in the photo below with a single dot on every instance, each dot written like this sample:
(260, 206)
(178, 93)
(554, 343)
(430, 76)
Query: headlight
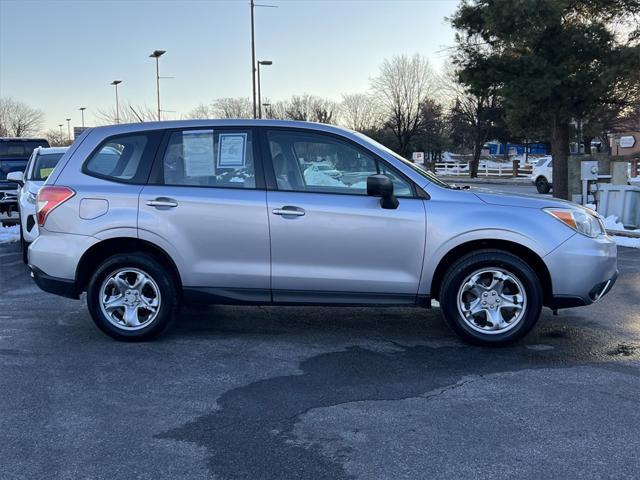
(579, 220)
(31, 198)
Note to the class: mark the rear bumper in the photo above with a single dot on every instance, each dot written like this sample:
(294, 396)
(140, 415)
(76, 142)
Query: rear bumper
(57, 286)
(58, 254)
(583, 270)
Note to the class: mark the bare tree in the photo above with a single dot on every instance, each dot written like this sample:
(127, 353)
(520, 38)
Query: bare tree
(310, 108)
(401, 87)
(126, 114)
(471, 111)
(278, 110)
(57, 138)
(240, 107)
(200, 112)
(299, 108)
(360, 112)
(17, 119)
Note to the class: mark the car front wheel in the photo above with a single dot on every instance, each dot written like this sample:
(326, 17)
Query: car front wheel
(491, 297)
(542, 185)
(132, 297)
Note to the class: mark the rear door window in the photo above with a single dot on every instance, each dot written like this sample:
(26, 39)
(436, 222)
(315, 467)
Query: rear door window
(209, 158)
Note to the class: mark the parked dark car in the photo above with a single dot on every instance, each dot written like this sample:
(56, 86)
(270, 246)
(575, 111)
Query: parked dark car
(14, 154)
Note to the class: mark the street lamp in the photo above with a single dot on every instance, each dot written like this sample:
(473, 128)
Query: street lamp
(82, 109)
(157, 54)
(252, 5)
(267, 107)
(68, 128)
(261, 62)
(115, 83)
(60, 125)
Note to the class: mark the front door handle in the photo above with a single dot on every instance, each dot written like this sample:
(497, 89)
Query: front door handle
(289, 211)
(162, 202)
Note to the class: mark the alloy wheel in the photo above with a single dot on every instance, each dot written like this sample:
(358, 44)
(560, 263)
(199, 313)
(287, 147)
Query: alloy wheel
(492, 301)
(130, 299)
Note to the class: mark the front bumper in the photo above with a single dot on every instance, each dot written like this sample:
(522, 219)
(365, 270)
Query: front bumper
(583, 270)
(8, 202)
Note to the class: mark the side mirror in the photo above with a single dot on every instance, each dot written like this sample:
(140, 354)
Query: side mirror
(16, 177)
(382, 186)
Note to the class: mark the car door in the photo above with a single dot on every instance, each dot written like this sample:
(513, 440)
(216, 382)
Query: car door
(329, 240)
(206, 205)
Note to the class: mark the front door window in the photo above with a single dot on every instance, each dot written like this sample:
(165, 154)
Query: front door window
(322, 164)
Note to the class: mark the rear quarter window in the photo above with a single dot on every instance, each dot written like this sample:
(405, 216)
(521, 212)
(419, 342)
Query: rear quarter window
(125, 158)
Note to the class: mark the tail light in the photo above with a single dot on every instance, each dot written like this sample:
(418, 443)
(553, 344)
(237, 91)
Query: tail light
(49, 197)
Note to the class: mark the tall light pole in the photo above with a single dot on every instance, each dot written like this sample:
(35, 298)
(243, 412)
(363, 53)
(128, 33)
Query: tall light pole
(60, 125)
(261, 62)
(157, 54)
(82, 109)
(252, 5)
(115, 83)
(68, 128)
(253, 59)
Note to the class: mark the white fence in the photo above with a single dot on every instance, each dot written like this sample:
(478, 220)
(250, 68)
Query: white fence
(461, 169)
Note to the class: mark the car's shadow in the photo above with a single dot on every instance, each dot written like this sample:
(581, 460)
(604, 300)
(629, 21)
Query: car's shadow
(250, 432)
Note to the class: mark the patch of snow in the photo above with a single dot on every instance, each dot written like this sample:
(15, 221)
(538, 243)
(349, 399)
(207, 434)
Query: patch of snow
(10, 234)
(612, 223)
(627, 241)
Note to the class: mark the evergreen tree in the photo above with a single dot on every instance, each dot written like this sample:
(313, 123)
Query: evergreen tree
(551, 61)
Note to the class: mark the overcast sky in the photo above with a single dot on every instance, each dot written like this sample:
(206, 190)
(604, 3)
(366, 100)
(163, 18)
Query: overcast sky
(60, 55)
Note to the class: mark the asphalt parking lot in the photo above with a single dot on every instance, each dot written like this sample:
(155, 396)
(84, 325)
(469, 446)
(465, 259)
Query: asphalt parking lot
(318, 393)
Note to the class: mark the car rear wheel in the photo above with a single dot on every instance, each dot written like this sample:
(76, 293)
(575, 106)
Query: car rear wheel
(491, 297)
(132, 297)
(543, 185)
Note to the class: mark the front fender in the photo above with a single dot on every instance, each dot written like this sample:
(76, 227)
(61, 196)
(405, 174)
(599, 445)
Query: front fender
(452, 224)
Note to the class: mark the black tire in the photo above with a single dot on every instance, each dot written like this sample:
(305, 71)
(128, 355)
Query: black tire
(543, 185)
(24, 247)
(473, 262)
(162, 277)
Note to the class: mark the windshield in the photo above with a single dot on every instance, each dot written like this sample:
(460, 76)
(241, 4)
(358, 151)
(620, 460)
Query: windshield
(423, 173)
(20, 148)
(44, 165)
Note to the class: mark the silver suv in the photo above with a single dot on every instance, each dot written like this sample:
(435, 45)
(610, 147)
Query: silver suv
(147, 217)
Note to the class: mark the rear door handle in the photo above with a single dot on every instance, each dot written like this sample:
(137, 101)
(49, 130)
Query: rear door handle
(289, 211)
(162, 202)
